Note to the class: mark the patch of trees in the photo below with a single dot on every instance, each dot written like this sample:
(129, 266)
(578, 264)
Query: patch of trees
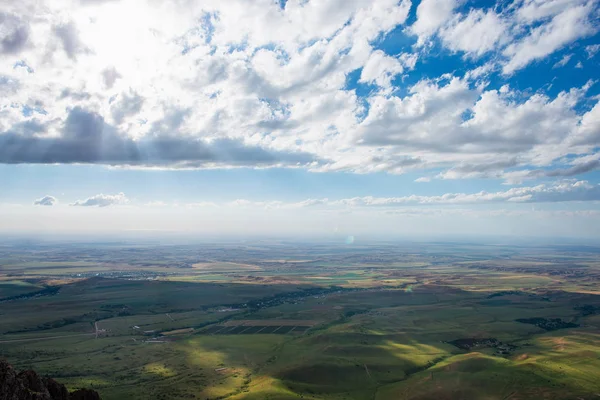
(47, 291)
(288, 297)
(588, 309)
(504, 293)
(469, 343)
(548, 324)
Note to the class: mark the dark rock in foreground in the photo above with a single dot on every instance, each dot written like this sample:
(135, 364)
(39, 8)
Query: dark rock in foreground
(28, 385)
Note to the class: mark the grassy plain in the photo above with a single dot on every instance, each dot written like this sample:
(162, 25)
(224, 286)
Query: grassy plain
(378, 322)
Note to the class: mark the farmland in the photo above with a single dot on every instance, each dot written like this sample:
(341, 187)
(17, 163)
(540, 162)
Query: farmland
(314, 321)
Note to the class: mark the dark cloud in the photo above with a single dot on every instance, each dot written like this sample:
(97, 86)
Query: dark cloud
(395, 164)
(486, 167)
(127, 106)
(279, 124)
(87, 138)
(69, 38)
(575, 170)
(227, 151)
(171, 122)
(492, 169)
(14, 33)
(398, 161)
(68, 93)
(565, 172)
(110, 76)
(27, 128)
(46, 201)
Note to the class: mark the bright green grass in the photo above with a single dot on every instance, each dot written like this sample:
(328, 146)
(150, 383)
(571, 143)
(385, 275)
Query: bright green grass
(383, 344)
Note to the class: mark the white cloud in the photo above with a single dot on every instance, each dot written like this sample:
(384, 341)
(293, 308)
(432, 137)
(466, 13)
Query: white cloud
(102, 200)
(523, 32)
(46, 201)
(530, 11)
(476, 33)
(189, 85)
(480, 72)
(592, 50)
(212, 84)
(563, 61)
(409, 60)
(381, 69)
(562, 191)
(497, 169)
(588, 130)
(432, 118)
(431, 16)
(571, 24)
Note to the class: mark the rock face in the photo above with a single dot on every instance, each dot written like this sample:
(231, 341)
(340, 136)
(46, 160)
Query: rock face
(28, 385)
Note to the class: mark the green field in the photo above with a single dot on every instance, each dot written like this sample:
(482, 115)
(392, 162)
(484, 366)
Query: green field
(446, 330)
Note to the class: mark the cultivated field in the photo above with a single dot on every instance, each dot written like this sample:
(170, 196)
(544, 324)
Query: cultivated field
(433, 321)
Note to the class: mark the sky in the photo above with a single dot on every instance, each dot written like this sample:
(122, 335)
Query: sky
(329, 117)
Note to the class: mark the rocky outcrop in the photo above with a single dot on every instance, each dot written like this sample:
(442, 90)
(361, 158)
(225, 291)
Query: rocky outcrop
(28, 385)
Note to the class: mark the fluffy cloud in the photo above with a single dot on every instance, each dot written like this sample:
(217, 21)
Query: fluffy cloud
(102, 200)
(523, 32)
(431, 16)
(253, 84)
(432, 117)
(476, 33)
(380, 69)
(588, 130)
(567, 26)
(531, 11)
(45, 201)
(198, 86)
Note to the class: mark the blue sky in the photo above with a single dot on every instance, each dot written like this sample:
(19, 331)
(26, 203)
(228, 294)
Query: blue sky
(467, 116)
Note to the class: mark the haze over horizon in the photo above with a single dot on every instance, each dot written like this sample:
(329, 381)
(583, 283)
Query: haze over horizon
(349, 118)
